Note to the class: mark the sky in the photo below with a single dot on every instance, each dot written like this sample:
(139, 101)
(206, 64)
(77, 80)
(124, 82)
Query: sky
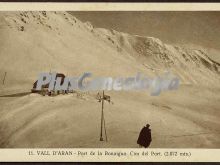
(188, 28)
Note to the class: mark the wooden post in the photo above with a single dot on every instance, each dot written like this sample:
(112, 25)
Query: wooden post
(101, 138)
(4, 78)
(103, 120)
(106, 137)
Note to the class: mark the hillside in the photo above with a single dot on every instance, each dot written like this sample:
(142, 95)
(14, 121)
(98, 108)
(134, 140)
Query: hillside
(35, 42)
(193, 66)
(43, 42)
(54, 41)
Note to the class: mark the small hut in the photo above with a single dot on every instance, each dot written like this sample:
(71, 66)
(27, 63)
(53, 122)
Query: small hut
(44, 90)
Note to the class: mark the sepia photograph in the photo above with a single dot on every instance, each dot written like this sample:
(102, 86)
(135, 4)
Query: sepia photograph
(110, 79)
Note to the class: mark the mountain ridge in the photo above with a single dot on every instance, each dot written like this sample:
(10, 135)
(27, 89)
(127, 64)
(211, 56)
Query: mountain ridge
(58, 41)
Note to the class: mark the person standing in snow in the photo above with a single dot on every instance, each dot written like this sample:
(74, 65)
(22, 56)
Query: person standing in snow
(144, 138)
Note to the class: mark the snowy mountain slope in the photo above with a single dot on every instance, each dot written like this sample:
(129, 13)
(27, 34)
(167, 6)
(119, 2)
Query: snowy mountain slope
(34, 42)
(57, 41)
(191, 65)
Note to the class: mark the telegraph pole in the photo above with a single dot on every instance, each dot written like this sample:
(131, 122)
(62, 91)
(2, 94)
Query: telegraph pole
(3, 82)
(102, 115)
(106, 138)
(102, 99)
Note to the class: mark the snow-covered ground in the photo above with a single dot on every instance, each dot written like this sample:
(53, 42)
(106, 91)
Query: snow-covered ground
(35, 42)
